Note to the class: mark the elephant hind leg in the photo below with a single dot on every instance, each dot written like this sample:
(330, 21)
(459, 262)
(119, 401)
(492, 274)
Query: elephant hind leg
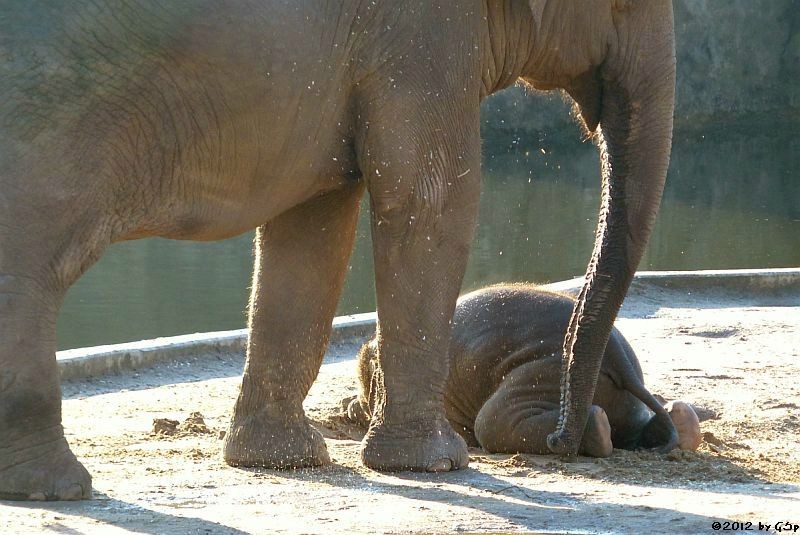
(301, 262)
(360, 409)
(35, 460)
(515, 419)
(524, 429)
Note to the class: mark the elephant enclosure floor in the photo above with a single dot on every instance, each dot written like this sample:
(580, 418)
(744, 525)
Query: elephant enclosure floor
(734, 355)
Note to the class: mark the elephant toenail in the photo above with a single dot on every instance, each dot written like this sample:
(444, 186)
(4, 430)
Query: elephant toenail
(441, 465)
(75, 492)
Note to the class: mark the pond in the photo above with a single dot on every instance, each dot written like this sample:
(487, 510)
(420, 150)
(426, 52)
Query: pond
(732, 201)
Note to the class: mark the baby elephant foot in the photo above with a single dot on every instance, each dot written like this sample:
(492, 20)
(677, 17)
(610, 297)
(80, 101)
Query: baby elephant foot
(265, 441)
(47, 471)
(687, 423)
(354, 411)
(430, 446)
(596, 440)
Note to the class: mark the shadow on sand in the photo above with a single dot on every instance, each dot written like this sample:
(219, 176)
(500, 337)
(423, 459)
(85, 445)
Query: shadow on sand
(106, 512)
(521, 507)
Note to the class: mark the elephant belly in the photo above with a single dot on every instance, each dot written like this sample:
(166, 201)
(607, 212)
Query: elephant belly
(271, 132)
(183, 122)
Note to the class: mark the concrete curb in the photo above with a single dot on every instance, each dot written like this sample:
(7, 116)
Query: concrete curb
(110, 359)
(761, 280)
(97, 361)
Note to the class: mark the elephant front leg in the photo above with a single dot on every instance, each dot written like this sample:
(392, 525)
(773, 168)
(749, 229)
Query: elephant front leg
(424, 206)
(301, 261)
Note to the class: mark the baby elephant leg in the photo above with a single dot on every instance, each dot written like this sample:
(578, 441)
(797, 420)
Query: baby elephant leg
(355, 411)
(516, 420)
(358, 409)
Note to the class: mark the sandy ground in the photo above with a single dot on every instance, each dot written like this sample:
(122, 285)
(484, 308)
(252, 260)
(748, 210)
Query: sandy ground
(735, 355)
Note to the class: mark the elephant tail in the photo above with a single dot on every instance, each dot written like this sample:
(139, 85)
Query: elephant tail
(659, 433)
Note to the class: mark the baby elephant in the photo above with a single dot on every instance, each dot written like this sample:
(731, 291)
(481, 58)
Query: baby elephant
(503, 389)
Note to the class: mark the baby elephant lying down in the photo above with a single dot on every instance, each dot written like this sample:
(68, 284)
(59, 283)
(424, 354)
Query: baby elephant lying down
(503, 388)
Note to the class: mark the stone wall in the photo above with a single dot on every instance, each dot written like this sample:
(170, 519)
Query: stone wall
(737, 60)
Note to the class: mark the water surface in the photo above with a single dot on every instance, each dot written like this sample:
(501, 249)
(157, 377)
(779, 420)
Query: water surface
(732, 201)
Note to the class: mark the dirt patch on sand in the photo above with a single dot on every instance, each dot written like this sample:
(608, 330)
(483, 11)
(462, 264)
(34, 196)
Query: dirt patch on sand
(737, 360)
(194, 424)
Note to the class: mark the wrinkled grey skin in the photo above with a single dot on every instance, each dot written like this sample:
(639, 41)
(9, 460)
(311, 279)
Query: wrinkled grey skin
(200, 120)
(503, 388)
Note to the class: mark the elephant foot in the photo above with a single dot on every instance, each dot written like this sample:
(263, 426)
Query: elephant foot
(596, 440)
(417, 447)
(42, 472)
(687, 423)
(260, 440)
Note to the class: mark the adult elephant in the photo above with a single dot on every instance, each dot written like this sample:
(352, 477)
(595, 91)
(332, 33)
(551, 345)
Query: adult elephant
(203, 119)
